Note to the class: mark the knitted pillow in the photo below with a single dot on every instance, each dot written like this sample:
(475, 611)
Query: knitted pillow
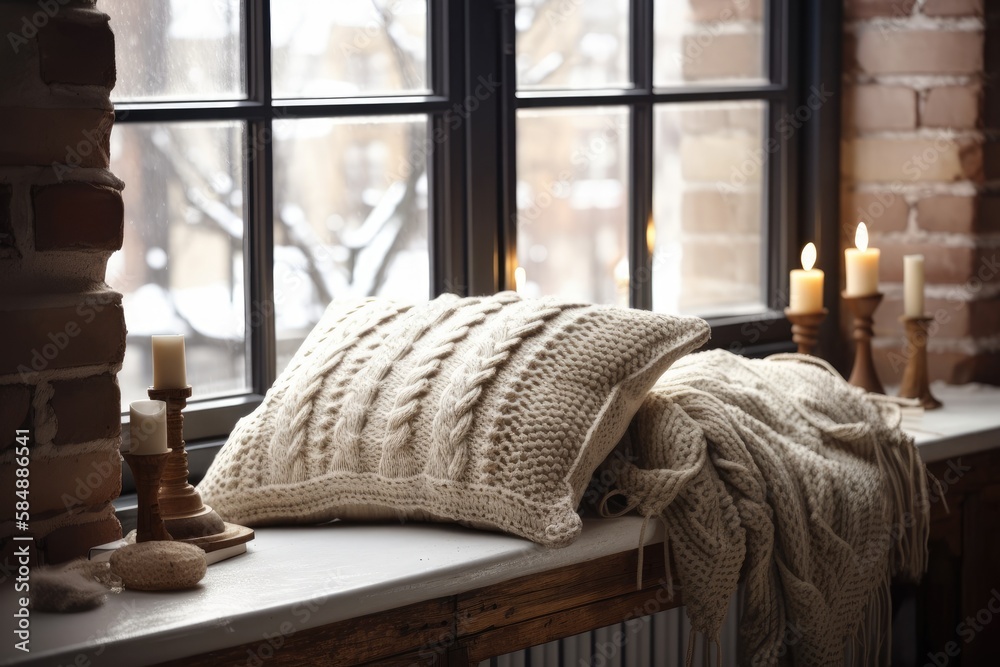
(491, 411)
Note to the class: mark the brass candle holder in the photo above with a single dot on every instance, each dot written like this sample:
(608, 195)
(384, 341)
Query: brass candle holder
(185, 516)
(863, 374)
(805, 328)
(147, 470)
(915, 382)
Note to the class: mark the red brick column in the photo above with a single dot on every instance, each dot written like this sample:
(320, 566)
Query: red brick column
(917, 168)
(62, 331)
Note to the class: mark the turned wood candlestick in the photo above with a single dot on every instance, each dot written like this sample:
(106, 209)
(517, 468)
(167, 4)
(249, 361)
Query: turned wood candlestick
(805, 329)
(915, 380)
(185, 516)
(184, 513)
(147, 470)
(863, 374)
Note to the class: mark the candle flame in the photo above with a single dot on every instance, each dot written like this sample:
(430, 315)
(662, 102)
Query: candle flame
(808, 256)
(861, 237)
(520, 278)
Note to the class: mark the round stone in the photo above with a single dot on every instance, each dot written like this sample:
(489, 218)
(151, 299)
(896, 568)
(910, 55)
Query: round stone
(159, 565)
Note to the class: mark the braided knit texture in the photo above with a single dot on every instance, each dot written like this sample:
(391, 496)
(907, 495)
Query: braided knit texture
(779, 474)
(490, 411)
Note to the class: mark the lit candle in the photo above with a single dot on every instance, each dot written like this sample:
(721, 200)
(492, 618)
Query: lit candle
(913, 285)
(168, 362)
(862, 265)
(147, 427)
(520, 278)
(806, 295)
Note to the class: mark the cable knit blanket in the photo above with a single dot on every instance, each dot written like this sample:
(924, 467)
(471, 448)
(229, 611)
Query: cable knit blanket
(779, 474)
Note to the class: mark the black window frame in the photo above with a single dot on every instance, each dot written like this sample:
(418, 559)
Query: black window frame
(472, 167)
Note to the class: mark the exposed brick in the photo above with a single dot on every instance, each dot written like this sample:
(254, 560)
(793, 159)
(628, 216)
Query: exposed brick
(910, 160)
(956, 368)
(731, 159)
(79, 53)
(954, 107)
(6, 226)
(950, 367)
(953, 7)
(714, 211)
(881, 211)
(724, 56)
(886, 318)
(52, 338)
(984, 317)
(920, 51)
(78, 215)
(746, 118)
(866, 9)
(43, 137)
(952, 318)
(946, 265)
(75, 541)
(87, 409)
(15, 410)
(946, 213)
(874, 107)
(987, 267)
(726, 10)
(67, 482)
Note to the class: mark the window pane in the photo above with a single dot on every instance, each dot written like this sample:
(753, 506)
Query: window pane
(177, 49)
(351, 216)
(573, 44)
(180, 268)
(708, 181)
(699, 42)
(333, 48)
(572, 175)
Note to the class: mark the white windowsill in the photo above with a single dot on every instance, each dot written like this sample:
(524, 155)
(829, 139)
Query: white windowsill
(969, 422)
(311, 576)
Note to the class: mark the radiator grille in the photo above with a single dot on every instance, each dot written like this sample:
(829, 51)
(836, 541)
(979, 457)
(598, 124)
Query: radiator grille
(659, 640)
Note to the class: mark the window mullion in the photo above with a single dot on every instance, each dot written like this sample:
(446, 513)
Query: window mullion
(488, 124)
(258, 241)
(640, 214)
(448, 237)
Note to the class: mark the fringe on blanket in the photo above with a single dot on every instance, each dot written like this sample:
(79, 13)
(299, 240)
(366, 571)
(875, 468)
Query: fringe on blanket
(906, 511)
(907, 485)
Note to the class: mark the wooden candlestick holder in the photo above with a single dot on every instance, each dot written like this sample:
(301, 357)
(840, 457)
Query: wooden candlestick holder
(185, 516)
(147, 470)
(805, 329)
(915, 382)
(863, 374)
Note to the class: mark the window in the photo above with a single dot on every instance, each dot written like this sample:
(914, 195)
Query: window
(278, 154)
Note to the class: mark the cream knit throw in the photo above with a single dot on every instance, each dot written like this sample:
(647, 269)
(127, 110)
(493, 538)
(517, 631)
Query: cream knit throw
(778, 473)
(493, 411)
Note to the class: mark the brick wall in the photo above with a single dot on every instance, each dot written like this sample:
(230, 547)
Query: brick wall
(919, 103)
(62, 329)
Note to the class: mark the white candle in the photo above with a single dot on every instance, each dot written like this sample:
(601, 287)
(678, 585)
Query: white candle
(806, 289)
(147, 427)
(913, 285)
(520, 278)
(168, 362)
(861, 265)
